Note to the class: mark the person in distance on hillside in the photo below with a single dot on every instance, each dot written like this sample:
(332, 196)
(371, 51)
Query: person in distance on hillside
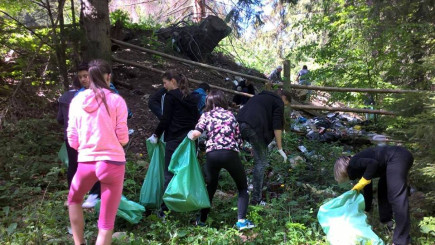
(244, 86)
(275, 76)
(391, 164)
(261, 120)
(180, 115)
(97, 129)
(222, 148)
(302, 77)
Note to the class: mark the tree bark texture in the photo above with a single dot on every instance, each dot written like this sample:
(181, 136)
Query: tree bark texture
(96, 25)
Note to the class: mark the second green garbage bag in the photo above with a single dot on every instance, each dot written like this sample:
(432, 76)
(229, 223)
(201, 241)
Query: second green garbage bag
(152, 191)
(344, 222)
(186, 191)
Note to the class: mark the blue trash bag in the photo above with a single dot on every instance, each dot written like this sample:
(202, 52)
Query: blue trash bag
(344, 222)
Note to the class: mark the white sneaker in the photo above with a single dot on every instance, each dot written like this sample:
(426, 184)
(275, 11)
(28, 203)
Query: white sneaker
(91, 201)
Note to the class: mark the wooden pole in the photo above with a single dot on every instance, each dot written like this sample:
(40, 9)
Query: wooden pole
(294, 106)
(258, 79)
(361, 90)
(287, 83)
(345, 109)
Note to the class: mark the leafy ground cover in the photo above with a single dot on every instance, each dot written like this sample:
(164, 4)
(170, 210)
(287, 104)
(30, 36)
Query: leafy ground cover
(33, 191)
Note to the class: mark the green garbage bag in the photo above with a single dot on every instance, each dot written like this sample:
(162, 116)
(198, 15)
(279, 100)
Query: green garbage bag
(186, 191)
(344, 222)
(63, 154)
(128, 210)
(151, 194)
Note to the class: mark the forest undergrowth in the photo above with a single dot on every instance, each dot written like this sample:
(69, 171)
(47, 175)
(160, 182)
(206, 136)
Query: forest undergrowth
(33, 191)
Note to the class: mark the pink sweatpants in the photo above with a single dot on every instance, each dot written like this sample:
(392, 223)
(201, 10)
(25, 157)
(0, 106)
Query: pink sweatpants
(111, 177)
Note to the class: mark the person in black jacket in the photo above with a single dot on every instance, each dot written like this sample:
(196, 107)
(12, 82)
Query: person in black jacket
(261, 120)
(180, 115)
(244, 86)
(391, 164)
(155, 102)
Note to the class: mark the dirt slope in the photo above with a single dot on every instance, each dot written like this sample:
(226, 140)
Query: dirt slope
(136, 85)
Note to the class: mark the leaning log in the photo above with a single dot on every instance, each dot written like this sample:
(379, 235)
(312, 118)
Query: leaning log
(303, 107)
(190, 79)
(264, 80)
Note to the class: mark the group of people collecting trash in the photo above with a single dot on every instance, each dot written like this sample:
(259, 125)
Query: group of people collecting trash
(95, 120)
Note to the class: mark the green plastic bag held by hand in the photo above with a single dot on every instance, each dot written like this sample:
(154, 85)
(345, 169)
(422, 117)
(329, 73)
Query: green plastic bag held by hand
(128, 210)
(151, 194)
(344, 222)
(186, 191)
(63, 155)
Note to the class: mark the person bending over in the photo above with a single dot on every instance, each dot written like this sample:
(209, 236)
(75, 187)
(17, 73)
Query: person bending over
(261, 120)
(391, 165)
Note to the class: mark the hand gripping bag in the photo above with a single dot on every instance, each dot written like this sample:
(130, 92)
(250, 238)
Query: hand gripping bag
(152, 191)
(128, 210)
(186, 191)
(344, 222)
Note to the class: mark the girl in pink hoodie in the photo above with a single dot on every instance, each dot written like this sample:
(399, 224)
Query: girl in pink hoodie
(97, 129)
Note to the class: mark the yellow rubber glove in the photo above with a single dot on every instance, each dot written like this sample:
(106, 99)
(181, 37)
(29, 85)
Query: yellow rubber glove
(361, 183)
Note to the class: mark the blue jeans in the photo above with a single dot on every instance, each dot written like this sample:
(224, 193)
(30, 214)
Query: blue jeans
(260, 160)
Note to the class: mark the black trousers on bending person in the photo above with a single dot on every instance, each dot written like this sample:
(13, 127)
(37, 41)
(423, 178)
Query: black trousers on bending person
(229, 160)
(393, 194)
(170, 148)
(260, 160)
(72, 169)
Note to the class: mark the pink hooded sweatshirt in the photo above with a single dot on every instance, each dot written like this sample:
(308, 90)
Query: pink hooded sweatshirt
(96, 134)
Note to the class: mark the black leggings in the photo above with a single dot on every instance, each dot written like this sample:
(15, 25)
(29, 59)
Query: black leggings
(229, 160)
(72, 169)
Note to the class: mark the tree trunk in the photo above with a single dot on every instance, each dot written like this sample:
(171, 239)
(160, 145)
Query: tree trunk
(199, 10)
(59, 42)
(75, 40)
(96, 24)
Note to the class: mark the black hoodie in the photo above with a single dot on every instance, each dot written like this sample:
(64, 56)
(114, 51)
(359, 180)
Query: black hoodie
(62, 114)
(180, 115)
(264, 113)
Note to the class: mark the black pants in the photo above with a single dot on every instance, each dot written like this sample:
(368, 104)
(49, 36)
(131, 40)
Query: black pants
(260, 160)
(393, 194)
(229, 160)
(72, 169)
(170, 148)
